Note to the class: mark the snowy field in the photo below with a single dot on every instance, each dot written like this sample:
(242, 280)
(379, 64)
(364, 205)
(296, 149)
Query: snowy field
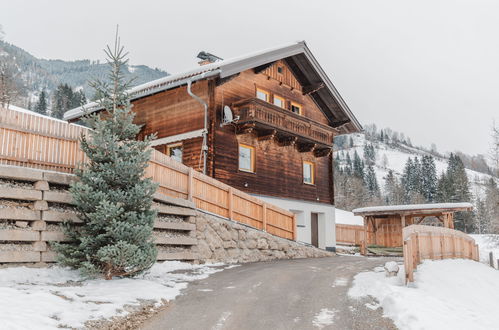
(347, 218)
(51, 298)
(487, 244)
(446, 294)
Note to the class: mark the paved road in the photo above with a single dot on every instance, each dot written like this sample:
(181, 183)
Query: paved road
(288, 294)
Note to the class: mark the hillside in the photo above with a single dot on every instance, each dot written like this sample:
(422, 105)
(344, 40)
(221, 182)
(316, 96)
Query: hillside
(33, 74)
(393, 156)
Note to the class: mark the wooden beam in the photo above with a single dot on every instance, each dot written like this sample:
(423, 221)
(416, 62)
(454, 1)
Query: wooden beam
(309, 89)
(267, 135)
(306, 147)
(287, 141)
(263, 67)
(245, 128)
(322, 152)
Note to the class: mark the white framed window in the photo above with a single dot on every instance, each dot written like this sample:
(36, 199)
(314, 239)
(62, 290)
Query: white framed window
(308, 172)
(262, 95)
(279, 101)
(246, 158)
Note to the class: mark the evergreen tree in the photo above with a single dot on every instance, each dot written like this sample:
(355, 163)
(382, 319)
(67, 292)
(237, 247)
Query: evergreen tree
(428, 178)
(351, 142)
(64, 99)
(394, 190)
(348, 167)
(371, 181)
(41, 105)
(453, 187)
(358, 166)
(112, 196)
(407, 179)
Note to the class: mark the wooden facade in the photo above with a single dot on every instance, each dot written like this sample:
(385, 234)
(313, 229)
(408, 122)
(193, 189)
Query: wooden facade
(282, 139)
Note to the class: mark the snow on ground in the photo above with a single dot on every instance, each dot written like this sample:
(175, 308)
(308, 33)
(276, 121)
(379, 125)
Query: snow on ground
(487, 244)
(347, 218)
(446, 294)
(324, 318)
(48, 298)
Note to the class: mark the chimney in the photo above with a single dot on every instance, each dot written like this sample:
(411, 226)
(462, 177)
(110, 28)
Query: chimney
(207, 58)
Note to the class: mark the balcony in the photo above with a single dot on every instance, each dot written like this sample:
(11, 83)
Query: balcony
(270, 121)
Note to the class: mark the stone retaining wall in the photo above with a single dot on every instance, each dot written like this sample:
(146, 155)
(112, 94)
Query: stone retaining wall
(33, 204)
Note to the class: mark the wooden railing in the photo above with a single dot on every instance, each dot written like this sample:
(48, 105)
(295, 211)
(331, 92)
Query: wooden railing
(429, 242)
(349, 234)
(40, 142)
(256, 110)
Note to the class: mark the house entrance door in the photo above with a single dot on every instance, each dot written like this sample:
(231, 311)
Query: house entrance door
(314, 228)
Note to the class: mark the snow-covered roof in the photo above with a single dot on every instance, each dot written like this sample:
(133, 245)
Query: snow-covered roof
(305, 62)
(395, 209)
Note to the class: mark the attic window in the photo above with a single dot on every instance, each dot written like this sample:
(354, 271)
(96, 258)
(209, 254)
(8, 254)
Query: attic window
(280, 69)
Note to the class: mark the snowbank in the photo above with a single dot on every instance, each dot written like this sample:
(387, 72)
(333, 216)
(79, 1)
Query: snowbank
(446, 294)
(347, 218)
(48, 298)
(487, 244)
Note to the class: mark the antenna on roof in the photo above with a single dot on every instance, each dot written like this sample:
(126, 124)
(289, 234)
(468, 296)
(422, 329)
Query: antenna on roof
(207, 58)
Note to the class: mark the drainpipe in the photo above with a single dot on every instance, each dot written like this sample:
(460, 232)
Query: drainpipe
(204, 148)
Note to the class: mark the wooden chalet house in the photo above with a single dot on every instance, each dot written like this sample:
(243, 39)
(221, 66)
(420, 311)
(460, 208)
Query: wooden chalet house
(263, 123)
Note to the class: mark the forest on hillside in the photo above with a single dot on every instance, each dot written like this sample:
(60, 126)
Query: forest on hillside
(357, 178)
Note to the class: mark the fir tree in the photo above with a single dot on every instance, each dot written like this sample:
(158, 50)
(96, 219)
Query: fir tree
(358, 166)
(371, 181)
(348, 167)
(394, 190)
(429, 178)
(112, 196)
(64, 99)
(41, 105)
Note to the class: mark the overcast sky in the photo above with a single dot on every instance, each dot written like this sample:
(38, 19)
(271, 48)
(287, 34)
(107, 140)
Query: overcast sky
(428, 68)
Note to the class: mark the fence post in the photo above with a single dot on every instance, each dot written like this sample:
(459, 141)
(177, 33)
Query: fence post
(491, 259)
(264, 218)
(294, 228)
(190, 184)
(230, 200)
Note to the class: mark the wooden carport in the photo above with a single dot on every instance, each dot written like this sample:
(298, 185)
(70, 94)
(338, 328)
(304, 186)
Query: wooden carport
(383, 224)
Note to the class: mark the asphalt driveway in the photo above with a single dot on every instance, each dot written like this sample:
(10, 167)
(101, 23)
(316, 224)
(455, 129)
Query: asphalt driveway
(286, 294)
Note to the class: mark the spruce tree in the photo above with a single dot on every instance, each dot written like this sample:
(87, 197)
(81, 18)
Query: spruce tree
(429, 178)
(358, 166)
(41, 105)
(371, 181)
(112, 197)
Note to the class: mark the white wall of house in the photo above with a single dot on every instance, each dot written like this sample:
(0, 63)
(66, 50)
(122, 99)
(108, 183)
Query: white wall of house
(303, 211)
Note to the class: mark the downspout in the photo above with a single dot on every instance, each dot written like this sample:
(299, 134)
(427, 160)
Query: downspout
(204, 148)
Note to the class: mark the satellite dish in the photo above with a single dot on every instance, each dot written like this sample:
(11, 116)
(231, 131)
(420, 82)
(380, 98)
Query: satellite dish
(228, 116)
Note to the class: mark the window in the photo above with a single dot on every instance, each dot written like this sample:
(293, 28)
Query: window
(262, 95)
(308, 172)
(246, 158)
(296, 108)
(279, 101)
(175, 151)
(280, 69)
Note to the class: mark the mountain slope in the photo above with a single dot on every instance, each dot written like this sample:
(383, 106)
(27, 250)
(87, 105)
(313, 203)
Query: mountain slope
(393, 156)
(35, 74)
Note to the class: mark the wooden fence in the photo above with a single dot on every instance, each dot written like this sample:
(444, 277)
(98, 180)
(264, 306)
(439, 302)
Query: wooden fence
(429, 242)
(34, 141)
(349, 234)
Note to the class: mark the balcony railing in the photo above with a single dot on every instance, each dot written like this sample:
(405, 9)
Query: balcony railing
(269, 116)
